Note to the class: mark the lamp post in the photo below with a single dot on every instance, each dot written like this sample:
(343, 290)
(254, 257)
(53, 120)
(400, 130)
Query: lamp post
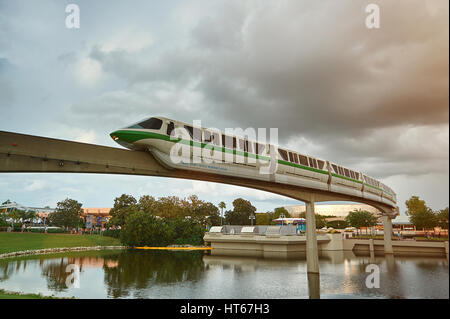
(251, 217)
(282, 219)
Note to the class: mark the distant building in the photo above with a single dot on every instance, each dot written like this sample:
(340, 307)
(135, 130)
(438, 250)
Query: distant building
(340, 211)
(95, 215)
(41, 212)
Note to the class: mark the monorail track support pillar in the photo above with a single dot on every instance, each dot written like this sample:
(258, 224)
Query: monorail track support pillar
(387, 228)
(312, 253)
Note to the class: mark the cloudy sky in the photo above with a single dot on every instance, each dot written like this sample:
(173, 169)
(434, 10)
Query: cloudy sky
(375, 100)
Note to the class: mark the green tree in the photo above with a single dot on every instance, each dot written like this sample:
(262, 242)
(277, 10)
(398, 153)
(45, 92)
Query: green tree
(423, 219)
(67, 214)
(15, 215)
(122, 206)
(242, 209)
(442, 218)
(414, 204)
(263, 218)
(280, 211)
(360, 218)
(143, 229)
(420, 215)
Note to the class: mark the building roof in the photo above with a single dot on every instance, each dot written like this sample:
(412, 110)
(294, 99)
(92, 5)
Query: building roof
(338, 210)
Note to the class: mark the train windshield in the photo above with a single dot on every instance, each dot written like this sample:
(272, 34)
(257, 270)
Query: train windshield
(150, 124)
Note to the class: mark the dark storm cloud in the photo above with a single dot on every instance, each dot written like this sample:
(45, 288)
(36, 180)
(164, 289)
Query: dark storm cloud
(310, 69)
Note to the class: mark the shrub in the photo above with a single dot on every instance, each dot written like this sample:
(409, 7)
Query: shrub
(115, 233)
(144, 229)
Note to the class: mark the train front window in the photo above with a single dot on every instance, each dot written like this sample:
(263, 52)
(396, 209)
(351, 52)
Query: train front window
(150, 124)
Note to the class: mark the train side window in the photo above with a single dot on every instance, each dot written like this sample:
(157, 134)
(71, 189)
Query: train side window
(248, 146)
(259, 148)
(321, 163)
(310, 162)
(291, 157)
(241, 145)
(352, 174)
(234, 142)
(227, 141)
(315, 163)
(190, 130)
(303, 160)
(207, 137)
(216, 139)
(170, 128)
(357, 175)
(346, 172)
(335, 168)
(283, 154)
(341, 171)
(197, 134)
(296, 158)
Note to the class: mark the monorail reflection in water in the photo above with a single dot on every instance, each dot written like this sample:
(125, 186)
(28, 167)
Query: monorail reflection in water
(163, 274)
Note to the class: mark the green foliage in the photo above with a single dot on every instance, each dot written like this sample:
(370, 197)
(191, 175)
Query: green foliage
(414, 205)
(115, 233)
(67, 214)
(242, 209)
(442, 218)
(420, 215)
(186, 231)
(122, 205)
(280, 211)
(143, 229)
(361, 218)
(263, 218)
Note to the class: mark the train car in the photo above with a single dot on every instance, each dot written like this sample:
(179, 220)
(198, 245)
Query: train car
(210, 150)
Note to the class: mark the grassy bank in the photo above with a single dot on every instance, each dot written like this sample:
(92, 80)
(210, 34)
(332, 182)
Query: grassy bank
(15, 295)
(11, 242)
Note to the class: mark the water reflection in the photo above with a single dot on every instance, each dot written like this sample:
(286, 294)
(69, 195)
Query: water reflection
(194, 274)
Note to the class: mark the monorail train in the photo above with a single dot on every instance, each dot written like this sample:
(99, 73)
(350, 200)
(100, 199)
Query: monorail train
(214, 151)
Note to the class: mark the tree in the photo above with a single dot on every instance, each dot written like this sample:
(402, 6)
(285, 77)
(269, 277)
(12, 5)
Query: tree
(420, 215)
(143, 229)
(122, 206)
(67, 214)
(242, 209)
(414, 204)
(423, 218)
(280, 211)
(442, 218)
(6, 202)
(263, 218)
(360, 218)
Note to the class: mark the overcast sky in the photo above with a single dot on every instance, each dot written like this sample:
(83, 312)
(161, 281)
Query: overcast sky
(375, 100)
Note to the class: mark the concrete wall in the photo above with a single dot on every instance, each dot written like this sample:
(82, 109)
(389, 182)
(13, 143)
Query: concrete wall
(256, 245)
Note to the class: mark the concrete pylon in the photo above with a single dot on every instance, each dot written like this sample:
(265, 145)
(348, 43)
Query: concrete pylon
(312, 254)
(387, 228)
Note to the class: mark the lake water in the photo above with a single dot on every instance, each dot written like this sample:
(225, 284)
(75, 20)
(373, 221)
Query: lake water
(197, 274)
